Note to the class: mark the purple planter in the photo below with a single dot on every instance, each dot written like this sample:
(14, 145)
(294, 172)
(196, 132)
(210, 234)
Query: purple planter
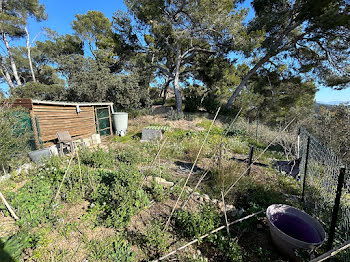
(292, 229)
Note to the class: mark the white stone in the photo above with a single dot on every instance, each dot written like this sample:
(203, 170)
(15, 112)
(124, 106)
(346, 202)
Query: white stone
(96, 139)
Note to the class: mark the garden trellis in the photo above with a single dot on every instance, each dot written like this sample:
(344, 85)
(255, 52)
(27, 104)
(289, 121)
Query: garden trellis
(326, 189)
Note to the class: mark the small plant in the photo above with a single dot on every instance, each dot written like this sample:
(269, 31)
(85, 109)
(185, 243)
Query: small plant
(110, 249)
(157, 240)
(119, 195)
(174, 115)
(158, 192)
(98, 158)
(197, 224)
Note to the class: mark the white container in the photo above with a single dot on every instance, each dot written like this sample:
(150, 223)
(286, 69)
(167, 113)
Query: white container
(120, 123)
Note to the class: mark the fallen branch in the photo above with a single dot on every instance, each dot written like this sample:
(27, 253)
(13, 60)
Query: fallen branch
(206, 235)
(13, 214)
(332, 252)
(194, 164)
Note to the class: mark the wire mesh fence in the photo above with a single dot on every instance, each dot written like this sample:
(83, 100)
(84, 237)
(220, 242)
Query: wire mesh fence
(323, 179)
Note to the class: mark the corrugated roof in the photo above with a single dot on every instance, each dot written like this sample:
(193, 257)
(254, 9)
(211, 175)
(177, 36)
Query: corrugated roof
(46, 102)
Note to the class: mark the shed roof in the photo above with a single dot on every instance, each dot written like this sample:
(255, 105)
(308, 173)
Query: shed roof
(46, 102)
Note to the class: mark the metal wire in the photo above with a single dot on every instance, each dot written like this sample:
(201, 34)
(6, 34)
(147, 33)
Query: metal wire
(321, 180)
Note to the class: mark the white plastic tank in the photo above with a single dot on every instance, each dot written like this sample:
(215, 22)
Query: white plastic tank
(120, 123)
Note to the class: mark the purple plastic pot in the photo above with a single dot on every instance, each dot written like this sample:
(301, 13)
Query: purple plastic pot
(292, 229)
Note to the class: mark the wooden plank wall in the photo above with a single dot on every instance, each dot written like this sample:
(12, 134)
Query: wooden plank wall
(55, 118)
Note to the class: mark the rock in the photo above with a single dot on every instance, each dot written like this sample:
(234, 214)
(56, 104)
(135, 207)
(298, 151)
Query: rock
(206, 198)
(230, 207)
(188, 189)
(196, 194)
(151, 134)
(215, 201)
(220, 205)
(167, 184)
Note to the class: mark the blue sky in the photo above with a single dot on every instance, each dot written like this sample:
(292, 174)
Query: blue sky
(61, 14)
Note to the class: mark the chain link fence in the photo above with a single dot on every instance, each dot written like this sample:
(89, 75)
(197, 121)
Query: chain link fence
(326, 189)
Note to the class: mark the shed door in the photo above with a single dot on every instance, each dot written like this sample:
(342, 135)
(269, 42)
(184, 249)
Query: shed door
(103, 123)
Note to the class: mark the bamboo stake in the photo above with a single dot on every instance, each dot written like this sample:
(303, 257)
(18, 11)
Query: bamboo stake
(81, 176)
(239, 178)
(206, 235)
(194, 164)
(9, 208)
(224, 205)
(332, 252)
(212, 158)
(65, 174)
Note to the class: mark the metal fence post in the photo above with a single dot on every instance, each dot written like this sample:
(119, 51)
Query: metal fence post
(335, 212)
(250, 160)
(305, 168)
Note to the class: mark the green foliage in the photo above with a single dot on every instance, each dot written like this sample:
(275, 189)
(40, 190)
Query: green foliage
(157, 239)
(111, 249)
(36, 90)
(98, 158)
(11, 247)
(15, 133)
(158, 192)
(193, 97)
(197, 224)
(119, 195)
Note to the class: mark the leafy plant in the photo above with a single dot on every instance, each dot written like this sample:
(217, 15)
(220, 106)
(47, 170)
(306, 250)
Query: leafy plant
(111, 249)
(119, 195)
(197, 224)
(157, 240)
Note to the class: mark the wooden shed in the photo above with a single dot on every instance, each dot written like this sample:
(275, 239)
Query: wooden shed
(80, 119)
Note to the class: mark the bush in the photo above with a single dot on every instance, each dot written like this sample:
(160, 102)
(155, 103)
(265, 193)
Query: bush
(110, 249)
(193, 96)
(98, 158)
(15, 134)
(157, 240)
(197, 224)
(119, 195)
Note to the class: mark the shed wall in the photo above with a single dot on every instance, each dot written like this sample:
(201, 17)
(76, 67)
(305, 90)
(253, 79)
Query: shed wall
(53, 119)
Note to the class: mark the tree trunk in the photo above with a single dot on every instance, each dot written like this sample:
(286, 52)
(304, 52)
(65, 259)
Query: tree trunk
(246, 78)
(165, 90)
(177, 92)
(29, 56)
(12, 61)
(6, 74)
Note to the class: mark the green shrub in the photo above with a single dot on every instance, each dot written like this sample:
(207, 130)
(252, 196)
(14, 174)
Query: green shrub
(193, 96)
(111, 249)
(197, 224)
(157, 240)
(158, 192)
(98, 158)
(119, 195)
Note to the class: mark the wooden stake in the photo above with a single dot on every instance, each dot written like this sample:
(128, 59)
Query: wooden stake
(81, 176)
(194, 164)
(65, 174)
(9, 208)
(332, 252)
